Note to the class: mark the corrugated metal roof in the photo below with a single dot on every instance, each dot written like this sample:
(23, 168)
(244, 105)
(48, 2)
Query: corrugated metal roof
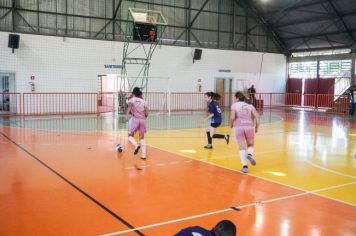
(310, 24)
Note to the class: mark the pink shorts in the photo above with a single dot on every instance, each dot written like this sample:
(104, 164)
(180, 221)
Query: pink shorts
(136, 124)
(243, 133)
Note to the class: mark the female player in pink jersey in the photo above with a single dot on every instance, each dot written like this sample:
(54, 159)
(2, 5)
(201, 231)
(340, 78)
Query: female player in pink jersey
(138, 122)
(241, 118)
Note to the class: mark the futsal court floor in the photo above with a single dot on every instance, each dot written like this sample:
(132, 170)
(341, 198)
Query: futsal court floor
(62, 176)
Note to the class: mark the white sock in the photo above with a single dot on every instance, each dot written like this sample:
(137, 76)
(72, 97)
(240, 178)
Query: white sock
(243, 157)
(250, 150)
(133, 141)
(143, 146)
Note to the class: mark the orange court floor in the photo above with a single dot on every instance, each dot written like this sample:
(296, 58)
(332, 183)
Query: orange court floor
(62, 176)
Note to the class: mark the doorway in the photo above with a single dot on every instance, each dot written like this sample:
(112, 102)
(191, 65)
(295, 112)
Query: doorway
(223, 86)
(8, 99)
(106, 92)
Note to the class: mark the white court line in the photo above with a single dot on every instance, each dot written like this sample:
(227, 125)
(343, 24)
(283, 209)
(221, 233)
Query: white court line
(307, 161)
(228, 209)
(160, 164)
(132, 167)
(129, 168)
(258, 177)
(237, 155)
(329, 170)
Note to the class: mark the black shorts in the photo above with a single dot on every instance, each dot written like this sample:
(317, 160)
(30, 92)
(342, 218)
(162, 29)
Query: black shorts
(215, 125)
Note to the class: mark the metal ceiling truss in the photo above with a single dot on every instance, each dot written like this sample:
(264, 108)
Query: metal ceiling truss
(327, 16)
(319, 35)
(16, 10)
(252, 10)
(6, 13)
(331, 14)
(110, 25)
(297, 6)
(320, 49)
(190, 23)
(115, 11)
(342, 25)
(322, 28)
(282, 12)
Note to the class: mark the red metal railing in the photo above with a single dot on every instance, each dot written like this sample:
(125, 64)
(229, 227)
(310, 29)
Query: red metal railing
(59, 103)
(157, 101)
(187, 102)
(94, 103)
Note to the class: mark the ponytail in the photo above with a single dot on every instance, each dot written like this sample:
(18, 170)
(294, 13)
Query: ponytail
(240, 96)
(214, 96)
(137, 92)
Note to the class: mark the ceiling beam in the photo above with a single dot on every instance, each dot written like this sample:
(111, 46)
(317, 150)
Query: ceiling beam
(3, 16)
(253, 11)
(319, 49)
(113, 20)
(116, 9)
(294, 7)
(320, 35)
(343, 22)
(190, 24)
(198, 13)
(327, 16)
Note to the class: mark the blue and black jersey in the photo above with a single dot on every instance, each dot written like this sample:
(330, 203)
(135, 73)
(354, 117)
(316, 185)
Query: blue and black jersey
(195, 230)
(214, 109)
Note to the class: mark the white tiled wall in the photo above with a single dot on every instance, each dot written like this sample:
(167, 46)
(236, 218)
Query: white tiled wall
(72, 65)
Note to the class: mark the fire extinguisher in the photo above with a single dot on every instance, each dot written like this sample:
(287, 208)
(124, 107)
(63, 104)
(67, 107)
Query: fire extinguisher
(33, 87)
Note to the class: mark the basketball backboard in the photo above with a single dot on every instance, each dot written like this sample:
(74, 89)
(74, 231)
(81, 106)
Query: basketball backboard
(147, 16)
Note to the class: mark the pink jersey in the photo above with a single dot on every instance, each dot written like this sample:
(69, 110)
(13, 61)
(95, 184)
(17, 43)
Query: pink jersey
(243, 114)
(138, 107)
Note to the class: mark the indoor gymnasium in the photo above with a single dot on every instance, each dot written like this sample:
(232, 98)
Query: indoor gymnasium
(178, 117)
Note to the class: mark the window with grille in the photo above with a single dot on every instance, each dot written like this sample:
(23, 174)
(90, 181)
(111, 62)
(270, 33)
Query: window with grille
(335, 69)
(302, 70)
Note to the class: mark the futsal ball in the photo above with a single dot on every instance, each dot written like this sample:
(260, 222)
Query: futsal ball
(119, 148)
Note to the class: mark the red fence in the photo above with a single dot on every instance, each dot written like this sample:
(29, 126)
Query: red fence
(157, 101)
(89, 103)
(186, 102)
(59, 103)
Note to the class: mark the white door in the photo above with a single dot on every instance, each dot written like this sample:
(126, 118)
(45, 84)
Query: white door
(8, 101)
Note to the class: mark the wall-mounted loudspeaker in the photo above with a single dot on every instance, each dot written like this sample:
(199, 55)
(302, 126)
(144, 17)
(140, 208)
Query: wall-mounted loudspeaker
(14, 40)
(197, 54)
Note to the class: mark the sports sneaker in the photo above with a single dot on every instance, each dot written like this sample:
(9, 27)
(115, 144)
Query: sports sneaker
(143, 157)
(209, 146)
(137, 148)
(244, 169)
(250, 158)
(227, 138)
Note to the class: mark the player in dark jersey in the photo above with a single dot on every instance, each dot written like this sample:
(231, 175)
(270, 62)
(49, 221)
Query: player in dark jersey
(223, 228)
(215, 119)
